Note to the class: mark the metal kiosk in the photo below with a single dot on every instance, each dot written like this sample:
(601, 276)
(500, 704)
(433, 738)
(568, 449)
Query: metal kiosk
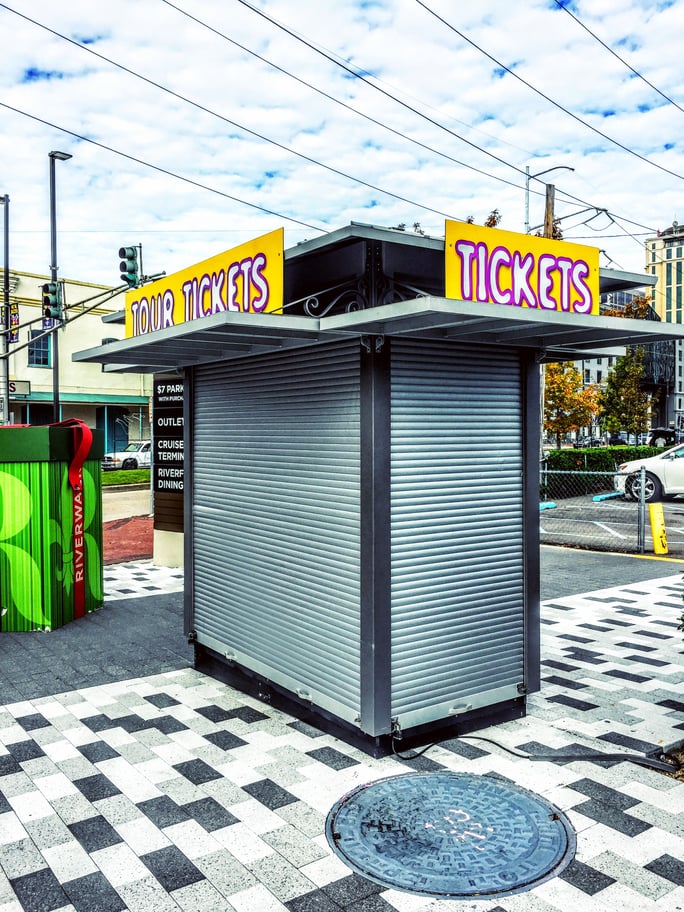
(361, 482)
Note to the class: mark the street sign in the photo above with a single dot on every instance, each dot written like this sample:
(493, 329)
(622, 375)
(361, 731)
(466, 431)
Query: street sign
(20, 387)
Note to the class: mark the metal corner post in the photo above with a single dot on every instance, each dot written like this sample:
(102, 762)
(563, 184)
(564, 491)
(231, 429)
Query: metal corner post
(375, 626)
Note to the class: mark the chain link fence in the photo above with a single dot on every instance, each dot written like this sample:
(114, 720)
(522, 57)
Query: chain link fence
(584, 509)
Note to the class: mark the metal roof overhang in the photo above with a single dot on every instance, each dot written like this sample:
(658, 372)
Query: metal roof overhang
(552, 336)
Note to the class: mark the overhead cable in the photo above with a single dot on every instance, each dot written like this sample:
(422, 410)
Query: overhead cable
(541, 94)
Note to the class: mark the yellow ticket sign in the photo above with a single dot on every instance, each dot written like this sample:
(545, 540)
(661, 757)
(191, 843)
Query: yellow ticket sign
(656, 515)
(246, 279)
(501, 267)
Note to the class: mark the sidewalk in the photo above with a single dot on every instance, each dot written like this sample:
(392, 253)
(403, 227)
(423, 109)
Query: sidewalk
(130, 781)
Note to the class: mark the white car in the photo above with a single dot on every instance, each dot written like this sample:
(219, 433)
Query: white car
(134, 456)
(664, 475)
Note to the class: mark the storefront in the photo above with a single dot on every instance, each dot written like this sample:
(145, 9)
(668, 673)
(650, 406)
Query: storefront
(361, 421)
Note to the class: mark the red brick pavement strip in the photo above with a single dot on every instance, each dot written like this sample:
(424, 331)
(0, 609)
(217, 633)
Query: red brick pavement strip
(128, 539)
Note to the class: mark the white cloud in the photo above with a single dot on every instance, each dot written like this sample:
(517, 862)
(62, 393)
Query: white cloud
(106, 200)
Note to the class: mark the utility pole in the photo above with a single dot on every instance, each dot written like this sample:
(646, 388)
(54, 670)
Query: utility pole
(548, 210)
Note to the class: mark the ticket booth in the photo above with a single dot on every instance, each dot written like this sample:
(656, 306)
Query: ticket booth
(361, 468)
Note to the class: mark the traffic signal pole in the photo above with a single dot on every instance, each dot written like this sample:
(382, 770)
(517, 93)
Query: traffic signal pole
(53, 156)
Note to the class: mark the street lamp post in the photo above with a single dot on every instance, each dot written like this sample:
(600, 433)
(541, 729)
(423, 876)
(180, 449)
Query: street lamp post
(4, 346)
(54, 156)
(528, 178)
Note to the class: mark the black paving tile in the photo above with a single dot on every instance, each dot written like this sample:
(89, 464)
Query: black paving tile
(593, 789)
(463, 748)
(612, 817)
(646, 660)
(668, 867)
(172, 868)
(640, 646)
(95, 833)
(162, 811)
(247, 714)
(214, 713)
(626, 676)
(333, 758)
(597, 627)
(564, 682)
(162, 700)
(167, 725)
(39, 892)
(225, 740)
(351, 889)
(316, 901)
(209, 814)
(586, 878)
(675, 705)
(560, 666)
(93, 893)
(197, 771)
(25, 750)
(565, 700)
(269, 793)
(632, 744)
(8, 765)
(97, 751)
(98, 723)
(96, 787)
(35, 720)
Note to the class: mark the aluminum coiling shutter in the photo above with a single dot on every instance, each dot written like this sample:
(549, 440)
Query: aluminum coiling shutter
(457, 590)
(275, 519)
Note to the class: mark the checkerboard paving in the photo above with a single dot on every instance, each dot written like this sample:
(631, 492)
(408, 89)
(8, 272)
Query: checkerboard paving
(176, 792)
(140, 578)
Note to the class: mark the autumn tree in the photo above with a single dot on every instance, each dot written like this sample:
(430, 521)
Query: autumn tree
(568, 404)
(623, 403)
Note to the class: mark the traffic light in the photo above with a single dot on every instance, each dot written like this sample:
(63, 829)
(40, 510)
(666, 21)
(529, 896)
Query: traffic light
(52, 301)
(130, 269)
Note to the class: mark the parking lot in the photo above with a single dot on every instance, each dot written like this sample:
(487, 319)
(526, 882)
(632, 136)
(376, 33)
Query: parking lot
(611, 524)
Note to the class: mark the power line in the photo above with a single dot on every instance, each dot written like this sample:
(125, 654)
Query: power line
(227, 120)
(357, 75)
(166, 171)
(610, 50)
(337, 101)
(541, 94)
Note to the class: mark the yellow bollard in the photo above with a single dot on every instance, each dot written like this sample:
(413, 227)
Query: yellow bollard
(657, 517)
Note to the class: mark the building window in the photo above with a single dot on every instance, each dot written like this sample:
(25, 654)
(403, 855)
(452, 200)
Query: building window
(40, 350)
(599, 376)
(587, 376)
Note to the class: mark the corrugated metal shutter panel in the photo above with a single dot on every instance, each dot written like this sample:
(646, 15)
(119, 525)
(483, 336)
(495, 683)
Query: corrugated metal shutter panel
(275, 519)
(456, 529)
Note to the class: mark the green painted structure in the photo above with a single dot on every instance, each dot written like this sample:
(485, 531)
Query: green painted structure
(51, 568)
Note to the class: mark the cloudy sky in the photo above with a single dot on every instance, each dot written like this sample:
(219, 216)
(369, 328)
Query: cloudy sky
(195, 125)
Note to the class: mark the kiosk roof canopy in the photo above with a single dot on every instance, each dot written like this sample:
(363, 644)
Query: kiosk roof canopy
(345, 259)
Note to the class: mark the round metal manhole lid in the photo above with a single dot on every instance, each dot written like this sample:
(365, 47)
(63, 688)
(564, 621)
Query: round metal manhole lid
(450, 835)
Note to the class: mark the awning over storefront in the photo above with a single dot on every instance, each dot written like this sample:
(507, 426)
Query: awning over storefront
(552, 336)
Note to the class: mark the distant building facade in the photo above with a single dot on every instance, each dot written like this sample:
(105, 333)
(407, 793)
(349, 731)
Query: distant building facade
(665, 261)
(117, 403)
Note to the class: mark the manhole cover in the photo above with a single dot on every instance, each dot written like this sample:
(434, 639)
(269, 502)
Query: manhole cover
(453, 835)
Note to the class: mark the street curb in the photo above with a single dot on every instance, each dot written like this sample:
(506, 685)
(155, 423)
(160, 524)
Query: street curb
(130, 487)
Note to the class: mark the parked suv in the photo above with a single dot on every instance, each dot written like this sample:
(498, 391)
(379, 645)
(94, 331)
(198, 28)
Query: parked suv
(134, 456)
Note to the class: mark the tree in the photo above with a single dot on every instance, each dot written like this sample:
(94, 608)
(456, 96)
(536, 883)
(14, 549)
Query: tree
(568, 404)
(623, 403)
